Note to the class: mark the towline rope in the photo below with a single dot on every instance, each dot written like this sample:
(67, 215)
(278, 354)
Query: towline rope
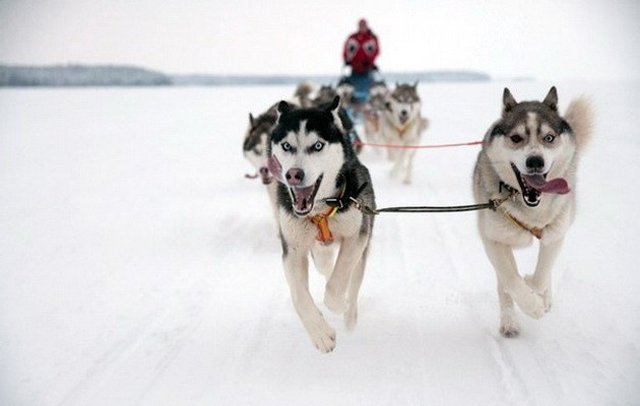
(492, 204)
(460, 144)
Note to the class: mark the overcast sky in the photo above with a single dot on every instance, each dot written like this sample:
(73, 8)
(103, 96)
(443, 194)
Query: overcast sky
(593, 39)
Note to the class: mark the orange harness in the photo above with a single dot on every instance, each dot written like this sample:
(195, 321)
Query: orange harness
(322, 221)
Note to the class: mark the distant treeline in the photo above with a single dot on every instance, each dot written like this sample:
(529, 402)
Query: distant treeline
(80, 75)
(117, 75)
(391, 77)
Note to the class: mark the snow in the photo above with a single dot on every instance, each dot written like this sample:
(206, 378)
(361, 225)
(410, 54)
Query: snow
(138, 266)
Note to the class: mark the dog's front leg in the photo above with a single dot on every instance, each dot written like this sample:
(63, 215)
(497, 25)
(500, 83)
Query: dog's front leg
(351, 251)
(540, 281)
(351, 314)
(501, 257)
(296, 268)
(408, 166)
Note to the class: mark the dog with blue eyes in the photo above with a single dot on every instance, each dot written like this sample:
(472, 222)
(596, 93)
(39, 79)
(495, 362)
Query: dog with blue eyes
(319, 175)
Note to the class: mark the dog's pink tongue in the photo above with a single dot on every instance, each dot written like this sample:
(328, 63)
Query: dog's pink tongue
(302, 197)
(539, 183)
(275, 168)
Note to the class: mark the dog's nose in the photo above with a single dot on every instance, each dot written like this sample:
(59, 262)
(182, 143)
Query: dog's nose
(295, 176)
(535, 163)
(264, 171)
(403, 113)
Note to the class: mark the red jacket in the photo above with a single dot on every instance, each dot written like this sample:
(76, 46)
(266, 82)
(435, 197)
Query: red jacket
(360, 51)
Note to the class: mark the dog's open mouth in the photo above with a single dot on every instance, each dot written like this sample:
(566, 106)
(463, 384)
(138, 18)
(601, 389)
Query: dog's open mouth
(403, 119)
(533, 185)
(304, 197)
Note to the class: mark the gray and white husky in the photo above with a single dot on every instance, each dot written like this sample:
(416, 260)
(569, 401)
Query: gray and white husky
(530, 153)
(313, 160)
(402, 124)
(254, 148)
(373, 110)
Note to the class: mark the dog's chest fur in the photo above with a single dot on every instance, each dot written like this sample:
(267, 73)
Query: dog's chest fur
(302, 231)
(411, 132)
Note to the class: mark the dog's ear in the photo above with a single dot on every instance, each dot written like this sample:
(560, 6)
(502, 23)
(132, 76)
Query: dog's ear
(252, 121)
(334, 109)
(415, 85)
(508, 102)
(552, 99)
(335, 104)
(283, 108)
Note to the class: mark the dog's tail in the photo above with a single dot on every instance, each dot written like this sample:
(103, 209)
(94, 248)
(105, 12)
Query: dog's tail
(579, 115)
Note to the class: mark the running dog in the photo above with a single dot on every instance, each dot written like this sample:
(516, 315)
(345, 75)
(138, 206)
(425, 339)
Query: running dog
(310, 155)
(402, 125)
(373, 109)
(254, 148)
(531, 155)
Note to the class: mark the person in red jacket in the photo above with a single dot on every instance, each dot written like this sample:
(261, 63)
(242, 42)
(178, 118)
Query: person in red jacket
(360, 51)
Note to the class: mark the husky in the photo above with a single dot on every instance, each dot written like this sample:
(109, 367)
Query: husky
(325, 95)
(530, 154)
(255, 146)
(402, 124)
(302, 94)
(373, 109)
(255, 142)
(314, 162)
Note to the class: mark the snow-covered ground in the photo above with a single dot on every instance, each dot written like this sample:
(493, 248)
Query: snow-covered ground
(138, 266)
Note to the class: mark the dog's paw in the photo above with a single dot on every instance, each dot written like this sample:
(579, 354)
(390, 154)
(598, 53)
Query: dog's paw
(351, 317)
(531, 303)
(336, 303)
(547, 298)
(509, 326)
(323, 336)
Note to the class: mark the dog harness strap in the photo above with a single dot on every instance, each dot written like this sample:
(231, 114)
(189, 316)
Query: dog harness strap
(535, 231)
(403, 130)
(322, 220)
(322, 223)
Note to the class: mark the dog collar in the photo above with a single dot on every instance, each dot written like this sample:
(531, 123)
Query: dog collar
(513, 191)
(535, 231)
(322, 220)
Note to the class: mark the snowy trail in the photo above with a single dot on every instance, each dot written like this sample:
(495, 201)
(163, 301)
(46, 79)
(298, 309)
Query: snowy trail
(140, 267)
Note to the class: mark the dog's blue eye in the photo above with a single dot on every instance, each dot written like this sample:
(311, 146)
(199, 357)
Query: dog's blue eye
(318, 146)
(286, 146)
(516, 138)
(549, 138)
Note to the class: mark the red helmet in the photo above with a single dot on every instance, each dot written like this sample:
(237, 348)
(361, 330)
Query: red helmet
(362, 25)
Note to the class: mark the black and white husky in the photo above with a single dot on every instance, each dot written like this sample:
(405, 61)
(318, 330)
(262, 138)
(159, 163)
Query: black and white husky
(530, 153)
(310, 155)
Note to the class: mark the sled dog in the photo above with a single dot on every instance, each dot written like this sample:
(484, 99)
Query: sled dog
(254, 148)
(310, 155)
(373, 109)
(530, 154)
(402, 124)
